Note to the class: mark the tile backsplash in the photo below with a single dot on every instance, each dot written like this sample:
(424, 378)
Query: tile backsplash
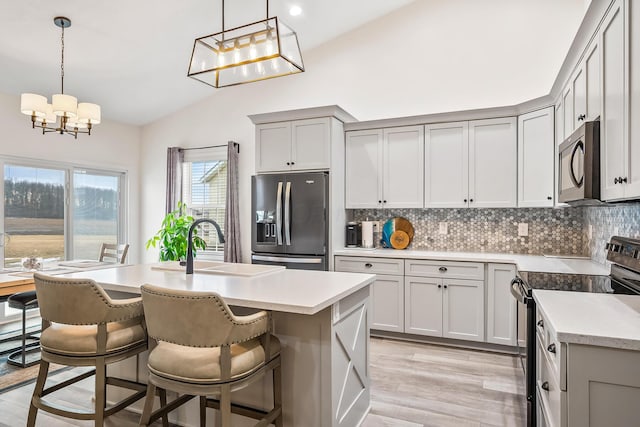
(551, 231)
(607, 221)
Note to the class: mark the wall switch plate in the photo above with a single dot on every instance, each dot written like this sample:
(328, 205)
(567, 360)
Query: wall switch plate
(523, 229)
(443, 228)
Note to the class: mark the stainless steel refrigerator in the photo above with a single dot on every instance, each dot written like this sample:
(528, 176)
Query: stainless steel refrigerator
(289, 225)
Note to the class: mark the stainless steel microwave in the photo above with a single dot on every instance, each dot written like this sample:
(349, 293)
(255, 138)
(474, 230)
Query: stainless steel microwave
(579, 166)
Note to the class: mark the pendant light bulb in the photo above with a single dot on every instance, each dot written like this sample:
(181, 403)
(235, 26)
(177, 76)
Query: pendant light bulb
(236, 52)
(253, 53)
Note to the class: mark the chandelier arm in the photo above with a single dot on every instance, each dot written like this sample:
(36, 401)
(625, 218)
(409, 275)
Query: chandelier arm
(267, 1)
(223, 19)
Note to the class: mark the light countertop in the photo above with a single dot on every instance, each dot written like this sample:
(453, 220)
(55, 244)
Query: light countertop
(533, 263)
(292, 291)
(605, 320)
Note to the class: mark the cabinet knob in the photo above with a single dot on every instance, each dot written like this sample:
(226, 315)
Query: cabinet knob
(368, 265)
(470, 200)
(445, 286)
(549, 198)
(551, 348)
(288, 163)
(615, 180)
(545, 386)
(379, 201)
(293, 163)
(623, 180)
(384, 201)
(541, 323)
(582, 117)
(465, 200)
(439, 286)
(443, 269)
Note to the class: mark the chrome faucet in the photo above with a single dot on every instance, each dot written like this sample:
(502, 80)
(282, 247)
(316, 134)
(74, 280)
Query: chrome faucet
(190, 240)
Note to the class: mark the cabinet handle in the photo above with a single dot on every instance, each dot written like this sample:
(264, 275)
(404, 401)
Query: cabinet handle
(439, 286)
(551, 348)
(581, 117)
(368, 265)
(470, 200)
(541, 323)
(549, 198)
(288, 163)
(445, 286)
(465, 200)
(545, 386)
(443, 269)
(623, 180)
(379, 201)
(293, 163)
(615, 180)
(384, 201)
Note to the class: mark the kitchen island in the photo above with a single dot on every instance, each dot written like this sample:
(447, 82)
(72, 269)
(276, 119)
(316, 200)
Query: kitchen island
(321, 319)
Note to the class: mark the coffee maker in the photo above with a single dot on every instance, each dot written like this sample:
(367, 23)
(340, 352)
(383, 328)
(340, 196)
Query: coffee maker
(354, 235)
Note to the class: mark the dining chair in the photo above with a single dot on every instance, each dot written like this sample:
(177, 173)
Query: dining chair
(203, 349)
(83, 326)
(114, 253)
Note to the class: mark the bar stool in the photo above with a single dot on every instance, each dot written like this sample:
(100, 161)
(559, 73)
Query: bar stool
(83, 326)
(203, 349)
(24, 301)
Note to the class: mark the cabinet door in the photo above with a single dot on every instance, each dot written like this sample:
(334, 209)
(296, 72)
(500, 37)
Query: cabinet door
(536, 152)
(567, 102)
(273, 147)
(463, 309)
(493, 162)
(559, 122)
(614, 141)
(423, 306)
(579, 87)
(310, 144)
(446, 165)
(633, 186)
(592, 67)
(387, 303)
(403, 174)
(363, 166)
(501, 305)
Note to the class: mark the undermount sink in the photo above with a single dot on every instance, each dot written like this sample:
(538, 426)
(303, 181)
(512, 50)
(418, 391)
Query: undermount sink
(223, 268)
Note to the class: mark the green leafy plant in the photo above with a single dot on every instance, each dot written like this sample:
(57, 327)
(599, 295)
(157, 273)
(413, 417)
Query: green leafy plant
(173, 235)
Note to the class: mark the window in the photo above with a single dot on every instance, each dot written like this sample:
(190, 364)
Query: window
(59, 212)
(204, 190)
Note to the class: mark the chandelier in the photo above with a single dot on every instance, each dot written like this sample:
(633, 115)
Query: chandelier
(257, 51)
(74, 117)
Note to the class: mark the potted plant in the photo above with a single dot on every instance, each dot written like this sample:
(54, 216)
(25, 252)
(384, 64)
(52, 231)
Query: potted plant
(173, 234)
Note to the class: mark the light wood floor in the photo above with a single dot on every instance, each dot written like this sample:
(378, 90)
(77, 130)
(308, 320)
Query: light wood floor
(412, 385)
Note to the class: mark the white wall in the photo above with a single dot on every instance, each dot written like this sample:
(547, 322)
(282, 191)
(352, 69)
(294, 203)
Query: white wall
(110, 146)
(430, 56)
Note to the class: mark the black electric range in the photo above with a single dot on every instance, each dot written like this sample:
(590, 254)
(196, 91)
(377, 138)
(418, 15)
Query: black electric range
(624, 255)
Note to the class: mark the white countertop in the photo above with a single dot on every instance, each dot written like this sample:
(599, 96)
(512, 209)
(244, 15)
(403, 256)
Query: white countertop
(533, 263)
(605, 320)
(292, 291)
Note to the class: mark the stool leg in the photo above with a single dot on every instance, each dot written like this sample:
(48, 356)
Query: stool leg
(148, 405)
(203, 411)
(277, 393)
(37, 392)
(163, 403)
(24, 337)
(225, 405)
(101, 391)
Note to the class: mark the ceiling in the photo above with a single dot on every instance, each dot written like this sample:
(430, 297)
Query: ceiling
(131, 57)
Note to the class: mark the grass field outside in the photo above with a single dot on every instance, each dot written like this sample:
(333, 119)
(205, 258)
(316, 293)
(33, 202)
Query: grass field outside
(45, 238)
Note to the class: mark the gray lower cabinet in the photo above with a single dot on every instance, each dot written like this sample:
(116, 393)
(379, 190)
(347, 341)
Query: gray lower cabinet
(584, 385)
(387, 292)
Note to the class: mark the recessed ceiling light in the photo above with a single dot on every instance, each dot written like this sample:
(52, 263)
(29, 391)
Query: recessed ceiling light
(295, 10)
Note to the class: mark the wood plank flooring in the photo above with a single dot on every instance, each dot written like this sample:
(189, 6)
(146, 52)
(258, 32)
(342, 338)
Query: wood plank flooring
(413, 385)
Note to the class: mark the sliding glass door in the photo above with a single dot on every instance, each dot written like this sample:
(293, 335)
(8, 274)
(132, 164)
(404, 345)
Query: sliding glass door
(96, 211)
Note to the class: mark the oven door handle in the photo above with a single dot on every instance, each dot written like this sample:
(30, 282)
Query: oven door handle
(516, 289)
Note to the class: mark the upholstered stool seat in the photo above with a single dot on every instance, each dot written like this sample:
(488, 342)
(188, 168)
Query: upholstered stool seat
(204, 349)
(83, 326)
(24, 301)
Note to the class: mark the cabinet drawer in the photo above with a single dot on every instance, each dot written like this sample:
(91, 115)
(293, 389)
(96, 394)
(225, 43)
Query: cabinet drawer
(552, 398)
(389, 266)
(554, 351)
(445, 269)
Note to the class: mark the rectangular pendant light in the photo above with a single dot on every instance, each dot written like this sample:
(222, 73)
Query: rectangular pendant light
(257, 51)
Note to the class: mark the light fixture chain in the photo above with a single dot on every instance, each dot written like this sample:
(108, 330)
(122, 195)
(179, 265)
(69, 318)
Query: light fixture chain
(267, 9)
(62, 63)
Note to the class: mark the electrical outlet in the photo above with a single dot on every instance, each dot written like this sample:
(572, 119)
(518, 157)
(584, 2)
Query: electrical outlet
(443, 228)
(376, 226)
(590, 232)
(523, 229)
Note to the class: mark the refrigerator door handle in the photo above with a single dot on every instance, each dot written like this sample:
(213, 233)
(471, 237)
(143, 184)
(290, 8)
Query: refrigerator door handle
(287, 259)
(287, 215)
(279, 214)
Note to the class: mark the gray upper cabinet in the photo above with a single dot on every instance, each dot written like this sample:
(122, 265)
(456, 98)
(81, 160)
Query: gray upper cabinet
(536, 159)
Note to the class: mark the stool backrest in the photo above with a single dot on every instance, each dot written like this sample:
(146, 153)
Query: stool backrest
(197, 319)
(80, 302)
(114, 253)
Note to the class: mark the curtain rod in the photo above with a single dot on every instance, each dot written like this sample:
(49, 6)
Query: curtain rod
(235, 144)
